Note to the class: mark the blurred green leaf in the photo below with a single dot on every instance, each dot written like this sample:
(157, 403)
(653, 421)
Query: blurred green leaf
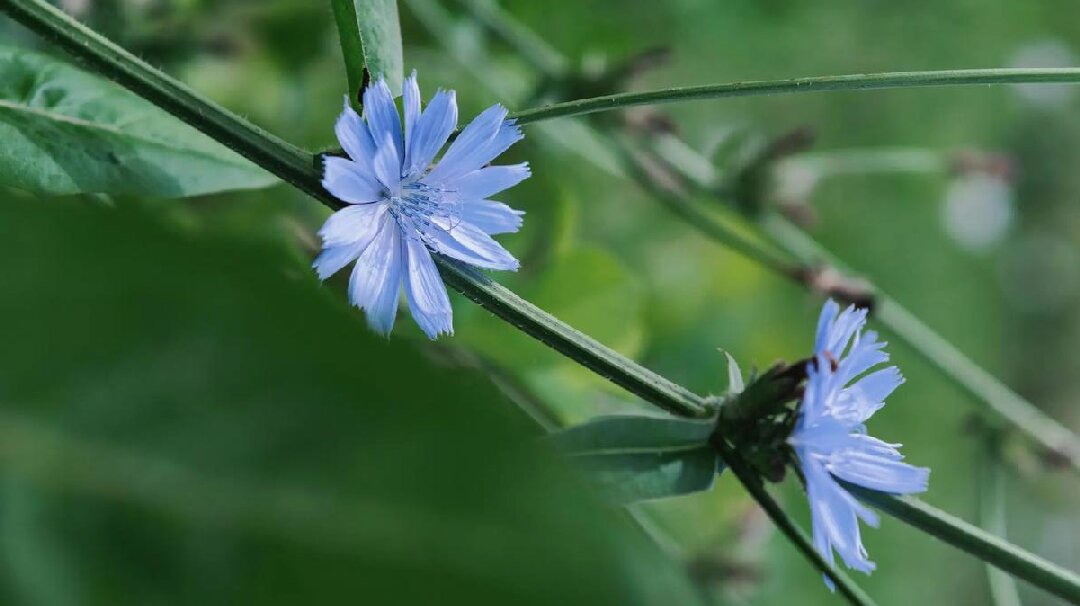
(66, 131)
(185, 419)
(641, 457)
(642, 476)
(627, 434)
(380, 34)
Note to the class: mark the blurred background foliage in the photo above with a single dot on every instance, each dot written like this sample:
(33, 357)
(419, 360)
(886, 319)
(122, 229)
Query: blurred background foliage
(190, 417)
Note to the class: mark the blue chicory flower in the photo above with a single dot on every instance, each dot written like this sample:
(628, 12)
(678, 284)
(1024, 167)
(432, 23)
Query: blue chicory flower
(401, 207)
(830, 437)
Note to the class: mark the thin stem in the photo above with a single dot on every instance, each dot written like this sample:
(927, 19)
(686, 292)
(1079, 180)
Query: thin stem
(582, 349)
(953, 77)
(539, 54)
(976, 541)
(991, 484)
(637, 168)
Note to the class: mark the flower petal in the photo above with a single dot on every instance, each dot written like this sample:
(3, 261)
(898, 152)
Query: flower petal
(487, 136)
(492, 217)
(832, 512)
(425, 291)
(857, 403)
(410, 103)
(349, 182)
(466, 242)
(382, 117)
(486, 182)
(879, 472)
(843, 329)
(376, 280)
(355, 139)
(333, 258)
(825, 322)
(432, 130)
(353, 224)
(387, 167)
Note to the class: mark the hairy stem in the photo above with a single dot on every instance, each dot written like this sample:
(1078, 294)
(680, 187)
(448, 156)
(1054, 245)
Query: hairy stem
(952, 77)
(976, 541)
(991, 516)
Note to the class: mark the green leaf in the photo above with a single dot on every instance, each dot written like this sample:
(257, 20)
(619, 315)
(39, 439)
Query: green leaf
(352, 49)
(65, 131)
(629, 478)
(380, 37)
(205, 423)
(640, 457)
(623, 434)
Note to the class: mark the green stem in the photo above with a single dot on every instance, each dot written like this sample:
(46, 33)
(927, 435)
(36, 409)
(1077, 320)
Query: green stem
(952, 77)
(976, 541)
(991, 485)
(352, 49)
(633, 165)
(535, 49)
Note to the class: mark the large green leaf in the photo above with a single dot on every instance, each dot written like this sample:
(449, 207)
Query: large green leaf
(380, 35)
(641, 457)
(188, 420)
(65, 131)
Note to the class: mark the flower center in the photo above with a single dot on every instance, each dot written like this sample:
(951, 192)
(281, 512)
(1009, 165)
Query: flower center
(424, 208)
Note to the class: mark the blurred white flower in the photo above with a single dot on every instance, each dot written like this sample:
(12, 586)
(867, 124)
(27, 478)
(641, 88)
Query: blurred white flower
(1047, 52)
(978, 210)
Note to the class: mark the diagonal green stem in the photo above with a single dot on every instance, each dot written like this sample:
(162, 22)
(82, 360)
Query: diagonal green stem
(976, 541)
(952, 77)
(991, 516)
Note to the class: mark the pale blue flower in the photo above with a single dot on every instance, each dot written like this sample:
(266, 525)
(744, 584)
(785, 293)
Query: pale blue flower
(830, 437)
(401, 207)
